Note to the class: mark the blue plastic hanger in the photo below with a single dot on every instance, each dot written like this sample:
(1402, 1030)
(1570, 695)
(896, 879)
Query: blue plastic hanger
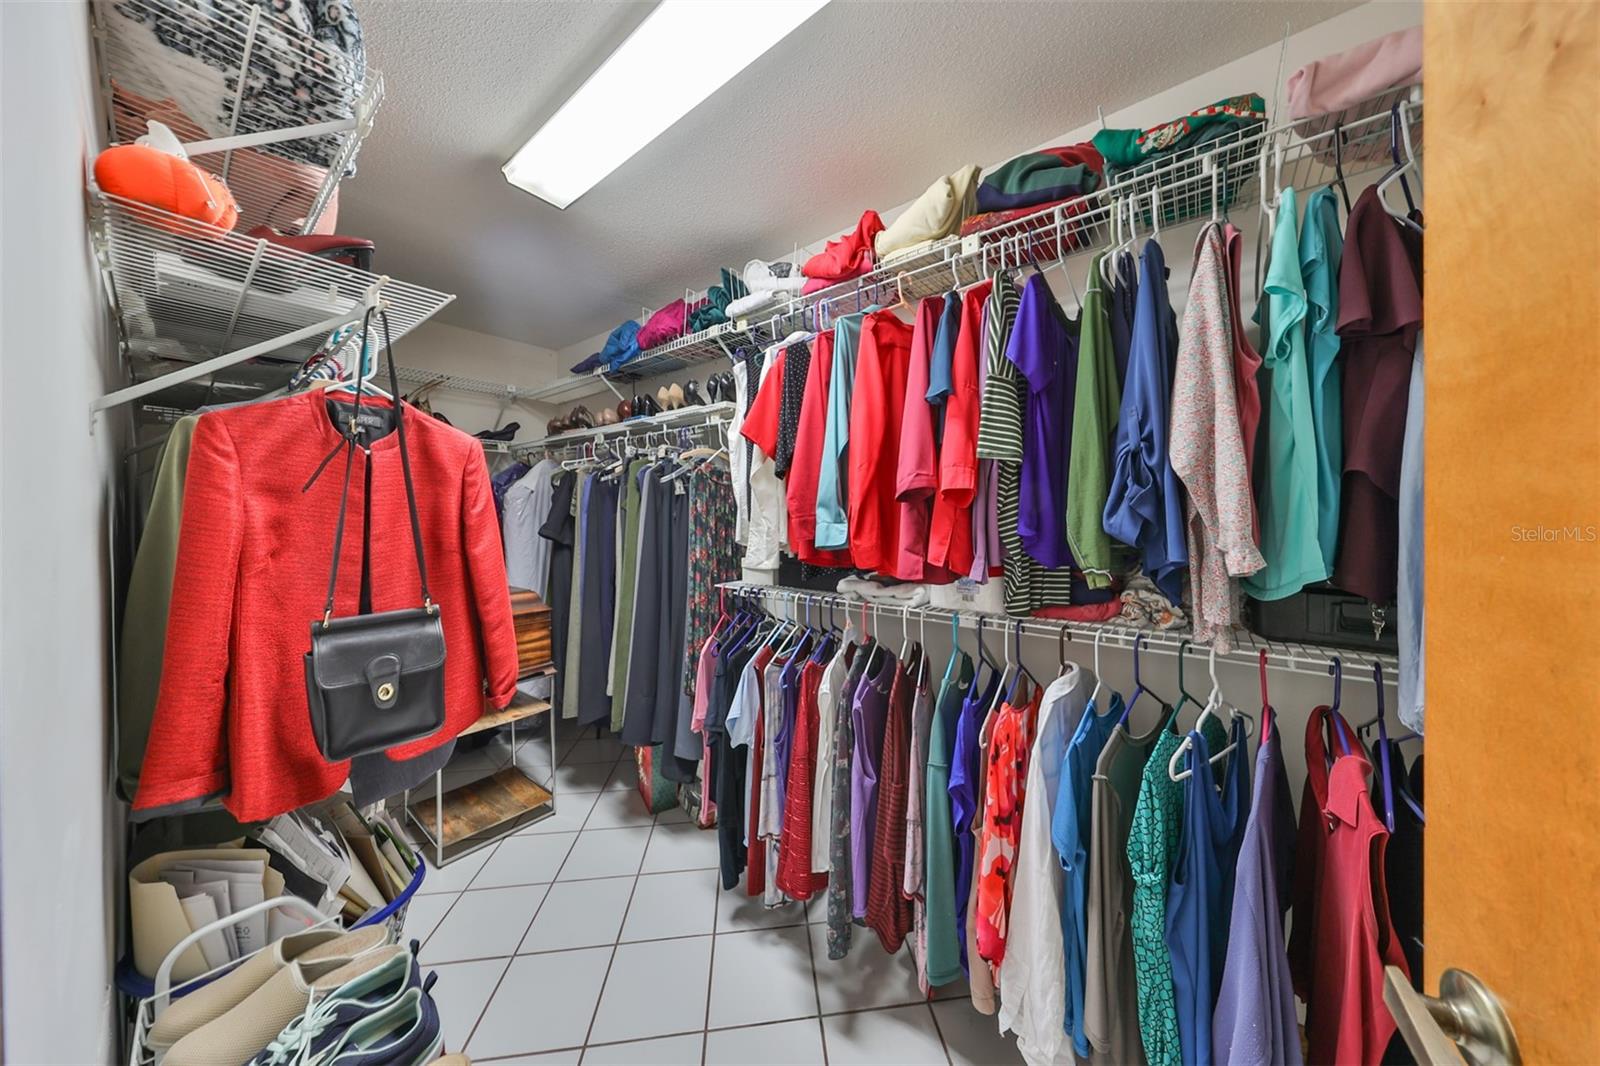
(1138, 681)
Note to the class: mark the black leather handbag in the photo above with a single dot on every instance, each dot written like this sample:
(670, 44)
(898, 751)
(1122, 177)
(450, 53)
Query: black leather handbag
(376, 680)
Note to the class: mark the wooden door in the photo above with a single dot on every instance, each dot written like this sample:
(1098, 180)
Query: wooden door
(1512, 350)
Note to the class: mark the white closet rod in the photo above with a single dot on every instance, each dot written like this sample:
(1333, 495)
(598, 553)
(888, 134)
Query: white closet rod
(1283, 656)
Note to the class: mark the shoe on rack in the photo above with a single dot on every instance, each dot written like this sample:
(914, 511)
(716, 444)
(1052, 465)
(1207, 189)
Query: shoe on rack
(254, 1021)
(212, 1001)
(324, 1024)
(675, 394)
(691, 394)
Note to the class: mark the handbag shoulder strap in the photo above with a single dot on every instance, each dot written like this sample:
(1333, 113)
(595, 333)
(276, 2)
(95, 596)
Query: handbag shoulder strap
(405, 467)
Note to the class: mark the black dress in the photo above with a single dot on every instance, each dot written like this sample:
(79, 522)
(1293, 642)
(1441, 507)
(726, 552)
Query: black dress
(558, 530)
(599, 601)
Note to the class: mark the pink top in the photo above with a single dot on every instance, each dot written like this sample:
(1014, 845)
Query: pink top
(917, 468)
(1207, 448)
(1335, 82)
(704, 672)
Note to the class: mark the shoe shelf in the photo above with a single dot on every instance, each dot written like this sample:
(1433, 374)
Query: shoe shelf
(683, 417)
(456, 821)
(212, 298)
(720, 341)
(257, 98)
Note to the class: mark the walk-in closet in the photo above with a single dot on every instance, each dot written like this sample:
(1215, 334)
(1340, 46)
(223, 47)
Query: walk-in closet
(811, 531)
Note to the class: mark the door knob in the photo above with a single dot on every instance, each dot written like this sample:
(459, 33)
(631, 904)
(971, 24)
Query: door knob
(1465, 1023)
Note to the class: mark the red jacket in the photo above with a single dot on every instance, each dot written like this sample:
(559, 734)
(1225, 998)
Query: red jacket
(252, 573)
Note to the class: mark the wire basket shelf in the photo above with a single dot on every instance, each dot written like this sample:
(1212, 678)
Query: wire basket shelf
(187, 291)
(276, 106)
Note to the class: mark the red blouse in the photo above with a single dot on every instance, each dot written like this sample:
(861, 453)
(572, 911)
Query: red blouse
(801, 486)
(254, 552)
(876, 408)
(950, 534)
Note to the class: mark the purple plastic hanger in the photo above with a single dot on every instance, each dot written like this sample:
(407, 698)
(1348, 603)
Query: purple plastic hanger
(1383, 749)
(1138, 683)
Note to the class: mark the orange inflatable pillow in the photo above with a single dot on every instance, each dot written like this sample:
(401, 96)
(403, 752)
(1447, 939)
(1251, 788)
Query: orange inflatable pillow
(150, 176)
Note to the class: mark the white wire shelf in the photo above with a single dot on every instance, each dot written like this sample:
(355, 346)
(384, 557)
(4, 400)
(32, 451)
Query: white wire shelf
(570, 387)
(260, 100)
(185, 291)
(683, 418)
(1249, 649)
(1304, 152)
(456, 383)
(1228, 170)
(703, 346)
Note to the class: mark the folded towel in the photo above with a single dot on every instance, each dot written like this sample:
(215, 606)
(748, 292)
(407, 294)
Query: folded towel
(1037, 178)
(756, 301)
(877, 592)
(936, 213)
(848, 256)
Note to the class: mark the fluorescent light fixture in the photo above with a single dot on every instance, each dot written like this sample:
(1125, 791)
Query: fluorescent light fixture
(682, 52)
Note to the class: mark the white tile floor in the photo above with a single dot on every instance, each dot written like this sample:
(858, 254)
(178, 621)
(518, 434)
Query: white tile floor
(599, 936)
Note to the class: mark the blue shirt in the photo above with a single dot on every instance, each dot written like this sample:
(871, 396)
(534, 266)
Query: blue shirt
(1144, 507)
(833, 524)
(941, 359)
(1200, 895)
(1321, 247)
(1069, 831)
(964, 798)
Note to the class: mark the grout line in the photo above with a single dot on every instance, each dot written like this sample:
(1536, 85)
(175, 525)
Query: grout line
(944, 1045)
(595, 1015)
(816, 982)
(543, 899)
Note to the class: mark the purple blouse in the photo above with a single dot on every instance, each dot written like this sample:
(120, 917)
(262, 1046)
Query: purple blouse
(869, 712)
(1044, 348)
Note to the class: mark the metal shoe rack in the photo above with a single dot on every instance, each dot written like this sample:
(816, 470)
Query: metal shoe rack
(191, 299)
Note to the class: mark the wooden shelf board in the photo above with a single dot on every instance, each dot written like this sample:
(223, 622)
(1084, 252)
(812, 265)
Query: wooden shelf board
(480, 806)
(521, 707)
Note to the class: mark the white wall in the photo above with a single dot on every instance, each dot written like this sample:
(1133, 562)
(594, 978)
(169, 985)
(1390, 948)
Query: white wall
(59, 853)
(468, 353)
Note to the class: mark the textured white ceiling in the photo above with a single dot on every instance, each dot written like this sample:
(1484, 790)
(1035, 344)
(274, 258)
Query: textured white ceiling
(863, 106)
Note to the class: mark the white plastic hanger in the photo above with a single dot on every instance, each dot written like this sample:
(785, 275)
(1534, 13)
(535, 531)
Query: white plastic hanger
(1094, 694)
(1214, 703)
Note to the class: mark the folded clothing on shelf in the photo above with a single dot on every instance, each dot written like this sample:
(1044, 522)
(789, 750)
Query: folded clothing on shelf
(936, 214)
(1228, 119)
(587, 365)
(781, 276)
(713, 310)
(170, 183)
(1357, 74)
(1036, 178)
(1074, 235)
(663, 325)
(872, 591)
(621, 346)
(307, 64)
(846, 257)
(1353, 85)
